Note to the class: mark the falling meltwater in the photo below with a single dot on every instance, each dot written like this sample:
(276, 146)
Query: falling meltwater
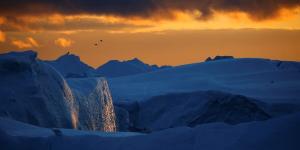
(108, 114)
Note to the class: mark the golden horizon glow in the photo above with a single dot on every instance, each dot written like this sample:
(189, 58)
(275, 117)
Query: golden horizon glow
(155, 38)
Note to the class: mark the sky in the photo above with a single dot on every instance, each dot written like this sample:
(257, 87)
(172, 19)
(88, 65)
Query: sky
(163, 32)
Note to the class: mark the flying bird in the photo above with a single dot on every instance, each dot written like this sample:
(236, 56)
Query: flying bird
(96, 44)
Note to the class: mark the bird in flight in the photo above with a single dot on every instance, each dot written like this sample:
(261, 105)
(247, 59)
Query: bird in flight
(96, 44)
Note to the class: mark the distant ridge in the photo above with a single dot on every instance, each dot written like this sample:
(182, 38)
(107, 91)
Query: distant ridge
(116, 68)
(70, 66)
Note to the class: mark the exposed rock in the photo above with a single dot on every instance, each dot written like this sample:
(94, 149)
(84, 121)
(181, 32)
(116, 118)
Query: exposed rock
(218, 58)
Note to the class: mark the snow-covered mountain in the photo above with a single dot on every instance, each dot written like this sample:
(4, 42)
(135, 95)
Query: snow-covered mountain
(70, 66)
(263, 79)
(116, 68)
(34, 92)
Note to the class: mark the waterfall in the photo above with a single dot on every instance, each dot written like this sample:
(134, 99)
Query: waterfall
(94, 115)
(108, 114)
(71, 104)
(91, 106)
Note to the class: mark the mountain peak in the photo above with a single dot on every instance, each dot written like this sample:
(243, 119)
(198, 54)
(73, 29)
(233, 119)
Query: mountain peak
(69, 56)
(135, 60)
(68, 53)
(70, 65)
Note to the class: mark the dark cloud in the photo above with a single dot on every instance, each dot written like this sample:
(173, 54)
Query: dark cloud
(20, 24)
(257, 9)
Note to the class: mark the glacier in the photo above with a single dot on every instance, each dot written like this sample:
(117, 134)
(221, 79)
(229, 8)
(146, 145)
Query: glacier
(34, 92)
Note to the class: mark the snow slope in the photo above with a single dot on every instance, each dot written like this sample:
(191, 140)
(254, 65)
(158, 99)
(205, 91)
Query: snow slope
(267, 80)
(276, 134)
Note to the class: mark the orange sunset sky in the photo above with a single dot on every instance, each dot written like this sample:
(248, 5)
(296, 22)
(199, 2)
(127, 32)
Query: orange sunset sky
(163, 32)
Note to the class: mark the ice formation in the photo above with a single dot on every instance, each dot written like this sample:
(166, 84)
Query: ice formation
(34, 92)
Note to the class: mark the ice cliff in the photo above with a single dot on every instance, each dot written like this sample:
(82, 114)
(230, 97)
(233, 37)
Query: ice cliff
(33, 92)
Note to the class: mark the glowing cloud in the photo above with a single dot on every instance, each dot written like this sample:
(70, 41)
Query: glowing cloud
(32, 41)
(62, 42)
(2, 36)
(28, 43)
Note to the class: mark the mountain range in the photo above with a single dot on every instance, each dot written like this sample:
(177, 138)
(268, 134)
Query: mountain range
(70, 66)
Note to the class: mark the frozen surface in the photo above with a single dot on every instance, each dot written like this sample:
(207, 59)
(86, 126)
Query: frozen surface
(267, 80)
(276, 134)
(15, 128)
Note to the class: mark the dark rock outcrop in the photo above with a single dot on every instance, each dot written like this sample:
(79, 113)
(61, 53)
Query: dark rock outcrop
(218, 58)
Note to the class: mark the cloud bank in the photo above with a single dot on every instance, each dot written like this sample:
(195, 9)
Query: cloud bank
(256, 9)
